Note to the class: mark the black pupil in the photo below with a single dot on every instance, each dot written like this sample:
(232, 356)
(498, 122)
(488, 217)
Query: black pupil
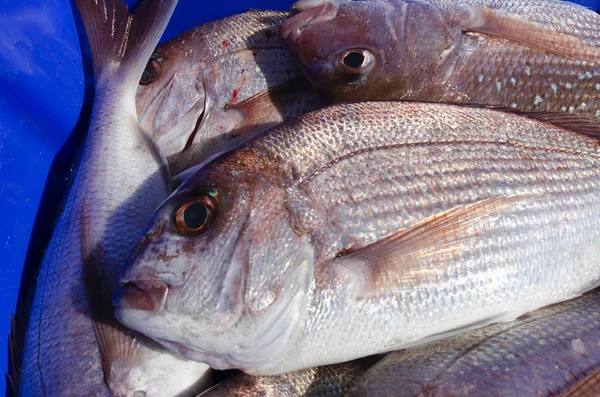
(147, 75)
(354, 60)
(194, 216)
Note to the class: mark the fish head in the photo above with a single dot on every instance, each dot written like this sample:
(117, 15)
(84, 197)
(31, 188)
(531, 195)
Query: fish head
(368, 50)
(219, 84)
(222, 275)
(171, 99)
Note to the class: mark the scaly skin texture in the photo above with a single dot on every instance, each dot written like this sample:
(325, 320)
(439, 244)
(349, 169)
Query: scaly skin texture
(277, 282)
(553, 351)
(199, 77)
(74, 346)
(425, 51)
(327, 381)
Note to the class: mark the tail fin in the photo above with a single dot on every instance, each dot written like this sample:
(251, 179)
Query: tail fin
(117, 38)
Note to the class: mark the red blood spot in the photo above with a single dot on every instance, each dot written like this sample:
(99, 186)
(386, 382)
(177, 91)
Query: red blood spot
(225, 44)
(243, 71)
(234, 95)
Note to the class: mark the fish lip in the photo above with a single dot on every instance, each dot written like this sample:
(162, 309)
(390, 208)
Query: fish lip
(292, 28)
(143, 295)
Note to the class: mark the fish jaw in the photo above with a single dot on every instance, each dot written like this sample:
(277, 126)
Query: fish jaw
(234, 298)
(262, 338)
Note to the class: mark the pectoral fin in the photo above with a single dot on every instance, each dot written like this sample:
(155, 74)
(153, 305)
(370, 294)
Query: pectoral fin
(422, 253)
(264, 110)
(494, 23)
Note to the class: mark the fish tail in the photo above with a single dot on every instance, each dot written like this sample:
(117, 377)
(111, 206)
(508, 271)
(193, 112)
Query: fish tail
(121, 43)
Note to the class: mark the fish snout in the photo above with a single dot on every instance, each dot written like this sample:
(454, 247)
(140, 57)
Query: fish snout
(307, 12)
(146, 295)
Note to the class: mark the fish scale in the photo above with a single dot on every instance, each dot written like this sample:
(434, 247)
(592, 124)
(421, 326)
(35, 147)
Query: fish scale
(73, 344)
(494, 72)
(539, 58)
(377, 225)
(552, 351)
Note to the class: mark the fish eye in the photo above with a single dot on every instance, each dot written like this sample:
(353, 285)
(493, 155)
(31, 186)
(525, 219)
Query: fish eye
(356, 61)
(195, 216)
(151, 69)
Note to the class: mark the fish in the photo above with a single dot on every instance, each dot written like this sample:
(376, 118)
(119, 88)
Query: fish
(553, 351)
(216, 85)
(364, 228)
(538, 58)
(73, 345)
(327, 381)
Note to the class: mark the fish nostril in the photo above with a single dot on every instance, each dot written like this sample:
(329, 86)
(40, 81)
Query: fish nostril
(147, 295)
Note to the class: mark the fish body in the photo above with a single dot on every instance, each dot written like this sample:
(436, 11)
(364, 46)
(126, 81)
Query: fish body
(74, 346)
(364, 228)
(553, 351)
(217, 84)
(326, 381)
(537, 57)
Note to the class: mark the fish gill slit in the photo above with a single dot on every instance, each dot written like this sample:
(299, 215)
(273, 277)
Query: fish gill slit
(195, 130)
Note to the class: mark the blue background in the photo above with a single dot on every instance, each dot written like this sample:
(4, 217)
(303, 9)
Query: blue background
(44, 110)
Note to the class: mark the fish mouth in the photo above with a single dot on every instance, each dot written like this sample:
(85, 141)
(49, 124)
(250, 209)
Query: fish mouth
(266, 340)
(141, 295)
(308, 12)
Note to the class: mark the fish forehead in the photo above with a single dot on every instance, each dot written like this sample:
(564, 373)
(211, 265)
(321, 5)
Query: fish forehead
(252, 29)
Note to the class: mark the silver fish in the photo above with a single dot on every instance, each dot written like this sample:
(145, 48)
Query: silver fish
(327, 381)
(214, 86)
(74, 346)
(537, 57)
(553, 351)
(364, 228)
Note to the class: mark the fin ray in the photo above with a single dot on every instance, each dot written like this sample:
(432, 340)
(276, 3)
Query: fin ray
(116, 37)
(411, 254)
(269, 102)
(493, 23)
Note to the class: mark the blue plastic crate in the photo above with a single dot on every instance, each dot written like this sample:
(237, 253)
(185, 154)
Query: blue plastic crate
(42, 91)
